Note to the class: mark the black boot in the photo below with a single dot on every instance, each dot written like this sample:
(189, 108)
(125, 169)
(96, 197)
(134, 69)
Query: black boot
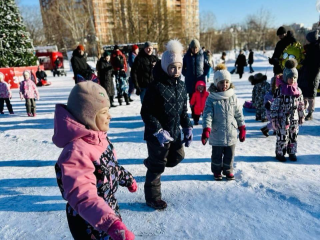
(111, 102)
(126, 98)
(157, 204)
(265, 131)
(281, 158)
(309, 116)
(292, 157)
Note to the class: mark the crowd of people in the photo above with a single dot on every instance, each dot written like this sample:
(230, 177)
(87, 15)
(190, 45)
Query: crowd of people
(87, 171)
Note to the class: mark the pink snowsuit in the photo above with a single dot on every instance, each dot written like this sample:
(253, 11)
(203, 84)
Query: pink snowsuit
(28, 89)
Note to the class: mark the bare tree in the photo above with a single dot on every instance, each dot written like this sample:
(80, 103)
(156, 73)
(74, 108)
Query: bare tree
(33, 21)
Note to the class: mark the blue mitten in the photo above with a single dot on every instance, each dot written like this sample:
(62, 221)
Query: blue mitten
(163, 137)
(188, 136)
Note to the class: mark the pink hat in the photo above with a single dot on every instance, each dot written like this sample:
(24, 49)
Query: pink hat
(173, 54)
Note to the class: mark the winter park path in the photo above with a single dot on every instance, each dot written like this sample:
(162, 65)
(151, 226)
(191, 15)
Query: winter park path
(268, 200)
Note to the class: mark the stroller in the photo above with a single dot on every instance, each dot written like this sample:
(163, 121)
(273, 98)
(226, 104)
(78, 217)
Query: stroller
(58, 67)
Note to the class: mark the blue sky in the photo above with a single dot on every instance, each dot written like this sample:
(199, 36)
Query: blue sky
(235, 11)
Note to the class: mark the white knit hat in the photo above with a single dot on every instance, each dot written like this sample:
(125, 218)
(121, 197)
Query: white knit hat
(221, 73)
(173, 54)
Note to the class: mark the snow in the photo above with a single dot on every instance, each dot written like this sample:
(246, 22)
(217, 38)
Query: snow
(268, 199)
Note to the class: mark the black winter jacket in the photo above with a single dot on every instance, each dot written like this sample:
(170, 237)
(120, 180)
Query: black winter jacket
(241, 62)
(105, 69)
(165, 106)
(79, 65)
(250, 58)
(281, 45)
(310, 73)
(141, 71)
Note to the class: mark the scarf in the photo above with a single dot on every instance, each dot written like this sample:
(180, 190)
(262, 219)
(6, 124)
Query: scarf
(222, 95)
(290, 90)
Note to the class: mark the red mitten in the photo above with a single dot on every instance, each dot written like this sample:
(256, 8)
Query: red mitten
(205, 135)
(119, 231)
(133, 186)
(242, 134)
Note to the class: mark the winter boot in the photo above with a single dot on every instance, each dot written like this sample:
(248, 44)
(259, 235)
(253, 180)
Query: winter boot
(2, 112)
(265, 131)
(292, 157)
(217, 176)
(126, 98)
(309, 116)
(230, 176)
(157, 204)
(264, 120)
(280, 158)
(11, 112)
(29, 114)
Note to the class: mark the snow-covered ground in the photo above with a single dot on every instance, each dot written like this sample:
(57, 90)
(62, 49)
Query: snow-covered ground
(268, 200)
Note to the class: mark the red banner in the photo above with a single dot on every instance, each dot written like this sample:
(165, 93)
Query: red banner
(13, 76)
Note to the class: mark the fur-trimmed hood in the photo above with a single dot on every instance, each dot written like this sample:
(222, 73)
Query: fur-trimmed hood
(257, 78)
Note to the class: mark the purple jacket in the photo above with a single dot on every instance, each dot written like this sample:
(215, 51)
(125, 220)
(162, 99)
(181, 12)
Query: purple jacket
(28, 89)
(88, 173)
(4, 90)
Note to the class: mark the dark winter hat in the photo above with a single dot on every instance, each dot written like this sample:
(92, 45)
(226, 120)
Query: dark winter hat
(116, 47)
(194, 44)
(257, 78)
(147, 44)
(290, 70)
(224, 54)
(281, 30)
(312, 36)
(86, 99)
(106, 53)
(80, 47)
(134, 47)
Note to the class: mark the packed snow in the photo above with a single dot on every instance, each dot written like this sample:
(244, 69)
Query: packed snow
(268, 199)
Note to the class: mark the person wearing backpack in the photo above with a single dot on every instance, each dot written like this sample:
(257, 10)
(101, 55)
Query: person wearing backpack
(119, 64)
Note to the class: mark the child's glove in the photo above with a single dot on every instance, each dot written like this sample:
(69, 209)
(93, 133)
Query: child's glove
(138, 91)
(119, 231)
(275, 124)
(205, 135)
(133, 186)
(163, 137)
(188, 136)
(242, 134)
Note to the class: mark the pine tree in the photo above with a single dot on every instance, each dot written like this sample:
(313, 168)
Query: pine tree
(16, 47)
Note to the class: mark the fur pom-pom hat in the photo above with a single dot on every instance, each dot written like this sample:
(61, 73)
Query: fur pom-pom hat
(257, 78)
(290, 70)
(173, 54)
(221, 73)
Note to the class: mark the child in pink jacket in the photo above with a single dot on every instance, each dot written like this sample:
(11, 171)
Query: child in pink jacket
(87, 171)
(29, 91)
(5, 95)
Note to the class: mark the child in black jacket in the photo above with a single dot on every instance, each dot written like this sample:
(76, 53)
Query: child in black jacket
(164, 109)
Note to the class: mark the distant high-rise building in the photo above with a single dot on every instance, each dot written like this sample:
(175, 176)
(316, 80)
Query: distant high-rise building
(123, 21)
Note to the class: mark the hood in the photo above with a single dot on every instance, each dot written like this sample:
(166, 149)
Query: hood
(161, 76)
(201, 83)
(190, 53)
(67, 129)
(77, 54)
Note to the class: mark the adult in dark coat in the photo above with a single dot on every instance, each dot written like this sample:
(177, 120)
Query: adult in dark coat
(241, 62)
(286, 38)
(163, 110)
(141, 71)
(195, 66)
(132, 55)
(250, 60)
(105, 69)
(79, 64)
(309, 79)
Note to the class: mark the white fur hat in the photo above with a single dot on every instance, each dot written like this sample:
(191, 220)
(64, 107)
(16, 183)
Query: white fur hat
(173, 54)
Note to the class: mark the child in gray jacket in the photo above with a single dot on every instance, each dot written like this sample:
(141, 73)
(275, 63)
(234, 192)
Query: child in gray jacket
(222, 117)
